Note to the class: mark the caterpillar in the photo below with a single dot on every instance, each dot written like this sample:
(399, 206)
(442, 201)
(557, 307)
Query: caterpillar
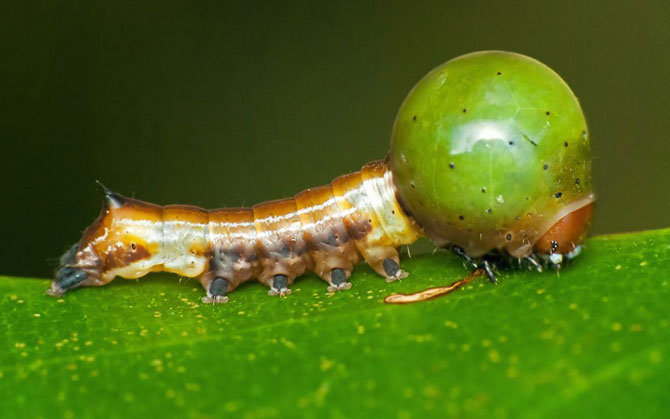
(326, 230)
(490, 157)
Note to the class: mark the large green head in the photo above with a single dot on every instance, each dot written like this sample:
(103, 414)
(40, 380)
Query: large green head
(491, 150)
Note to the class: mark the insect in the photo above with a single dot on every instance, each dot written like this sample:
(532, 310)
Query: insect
(490, 157)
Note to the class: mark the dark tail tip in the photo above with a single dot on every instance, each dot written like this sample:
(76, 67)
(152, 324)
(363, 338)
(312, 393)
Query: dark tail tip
(112, 199)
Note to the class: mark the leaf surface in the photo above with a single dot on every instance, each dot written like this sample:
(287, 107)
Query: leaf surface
(592, 342)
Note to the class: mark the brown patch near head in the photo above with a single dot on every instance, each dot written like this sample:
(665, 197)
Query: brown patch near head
(357, 230)
(123, 256)
(568, 232)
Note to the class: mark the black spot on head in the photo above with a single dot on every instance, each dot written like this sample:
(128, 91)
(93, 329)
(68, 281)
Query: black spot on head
(511, 143)
(554, 245)
(508, 237)
(565, 143)
(452, 165)
(547, 113)
(460, 217)
(465, 110)
(483, 190)
(489, 211)
(545, 167)
(414, 118)
(133, 246)
(528, 198)
(499, 73)
(577, 181)
(558, 194)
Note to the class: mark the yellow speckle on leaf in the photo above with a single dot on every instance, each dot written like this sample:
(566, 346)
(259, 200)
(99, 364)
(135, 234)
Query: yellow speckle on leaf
(158, 314)
(616, 326)
(326, 364)
(19, 345)
(288, 343)
(451, 325)
(636, 328)
(494, 356)
(643, 263)
(192, 387)
(486, 343)
(37, 315)
(547, 334)
(360, 329)
(618, 267)
(158, 365)
(541, 291)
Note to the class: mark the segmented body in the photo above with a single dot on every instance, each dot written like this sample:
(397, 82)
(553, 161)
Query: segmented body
(322, 230)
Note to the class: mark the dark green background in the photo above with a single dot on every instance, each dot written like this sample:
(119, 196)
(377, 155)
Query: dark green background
(230, 104)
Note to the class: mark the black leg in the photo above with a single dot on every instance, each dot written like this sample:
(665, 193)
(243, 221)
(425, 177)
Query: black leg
(218, 287)
(390, 267)
(338, 276)
(279, 285)
(280, 282)
(489, 269)
(217, 291)
(338, 280)
(534, 261)
(461, 254)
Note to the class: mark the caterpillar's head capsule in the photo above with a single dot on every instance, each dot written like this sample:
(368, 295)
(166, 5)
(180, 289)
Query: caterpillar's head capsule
(103, 247)
(491, 151)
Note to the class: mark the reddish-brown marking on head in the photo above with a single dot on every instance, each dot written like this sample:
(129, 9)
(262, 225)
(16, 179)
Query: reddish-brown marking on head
(567, 233)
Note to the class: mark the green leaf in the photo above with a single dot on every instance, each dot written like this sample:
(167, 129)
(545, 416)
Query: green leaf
(592, 341)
